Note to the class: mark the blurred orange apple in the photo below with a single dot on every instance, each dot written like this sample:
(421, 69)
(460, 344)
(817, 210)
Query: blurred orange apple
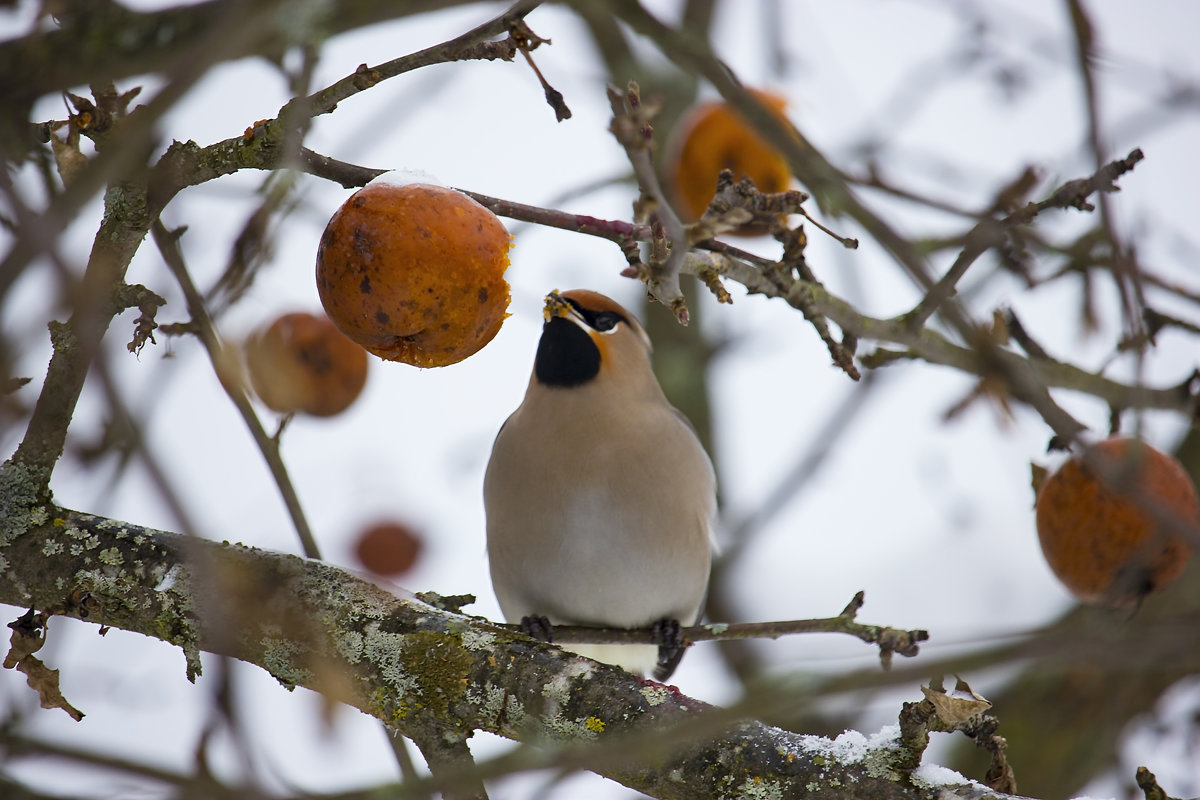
(388, 548)
(302, 363)
(1103, 542)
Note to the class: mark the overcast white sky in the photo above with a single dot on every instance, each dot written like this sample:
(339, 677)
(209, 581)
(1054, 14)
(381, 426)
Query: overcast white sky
(921, 497)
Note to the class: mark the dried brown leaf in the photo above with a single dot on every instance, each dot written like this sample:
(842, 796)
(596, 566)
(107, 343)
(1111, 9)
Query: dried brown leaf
(44, 681)
(28, 636)
(957, 708)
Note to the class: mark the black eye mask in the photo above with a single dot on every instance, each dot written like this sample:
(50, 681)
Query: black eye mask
(602, 321)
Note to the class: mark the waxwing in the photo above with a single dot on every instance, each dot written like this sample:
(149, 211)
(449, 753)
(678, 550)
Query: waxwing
(600, 499)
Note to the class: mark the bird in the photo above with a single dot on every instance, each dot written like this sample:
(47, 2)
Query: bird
(600, 500)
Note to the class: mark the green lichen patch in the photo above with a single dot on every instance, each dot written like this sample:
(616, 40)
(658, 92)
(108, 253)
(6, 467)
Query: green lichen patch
(21, 495)
(504, 710)
(655, 695)
(489, 698)
(175, 621)
(322, 586)
(113, 586)
(350, 645)
(478, 640)
(557, 692)
(757, 789)
(441, 668)
(111, 556)
(383, 651)
(281, 657)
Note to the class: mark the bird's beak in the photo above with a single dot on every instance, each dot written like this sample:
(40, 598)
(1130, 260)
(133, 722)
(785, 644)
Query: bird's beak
(557, 306)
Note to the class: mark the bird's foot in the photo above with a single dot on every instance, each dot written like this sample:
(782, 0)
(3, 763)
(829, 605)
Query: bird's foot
(536, 626)
(668, 635)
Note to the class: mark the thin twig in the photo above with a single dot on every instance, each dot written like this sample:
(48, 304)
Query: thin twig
(1125, 270)
(890, 640)
(988, 233)
(631, 125)
(221, 359)
(264, 144)
(749, 270)
(828, 186)
(468, 46)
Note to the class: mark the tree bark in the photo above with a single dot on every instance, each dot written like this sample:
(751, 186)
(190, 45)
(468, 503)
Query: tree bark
(431, 674)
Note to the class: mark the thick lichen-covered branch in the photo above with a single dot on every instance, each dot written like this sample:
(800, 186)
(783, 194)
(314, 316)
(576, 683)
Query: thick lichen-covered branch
(422, 670)
(126, 221)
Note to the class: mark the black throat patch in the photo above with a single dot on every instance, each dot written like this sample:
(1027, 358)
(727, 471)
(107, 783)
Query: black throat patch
(566, 355)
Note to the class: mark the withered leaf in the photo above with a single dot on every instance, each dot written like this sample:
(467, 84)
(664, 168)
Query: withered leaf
(956, 708)
(44, 681)
(27, 638)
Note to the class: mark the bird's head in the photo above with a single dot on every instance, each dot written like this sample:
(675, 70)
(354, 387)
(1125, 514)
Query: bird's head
(589, 337)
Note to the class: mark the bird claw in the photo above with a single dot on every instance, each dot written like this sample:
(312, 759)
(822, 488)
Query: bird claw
(536, 626)
(668, 635)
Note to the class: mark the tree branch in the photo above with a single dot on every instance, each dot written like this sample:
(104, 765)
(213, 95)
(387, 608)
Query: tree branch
(424, 671)
(126, 220)
(1027, 378)
(631, 126)
(890, 640)
(131, 206)
(114, 43)
(224, 366)
(988, 233)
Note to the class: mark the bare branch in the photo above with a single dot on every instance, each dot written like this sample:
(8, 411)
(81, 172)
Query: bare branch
(988, 234)
(631, 125)
(224, 365)
(890, 640)
(116, 43)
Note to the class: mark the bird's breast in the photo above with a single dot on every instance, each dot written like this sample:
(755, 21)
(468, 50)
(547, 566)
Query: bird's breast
(593, 525)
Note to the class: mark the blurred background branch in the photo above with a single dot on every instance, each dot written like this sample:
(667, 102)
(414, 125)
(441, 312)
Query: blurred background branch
(968, 244)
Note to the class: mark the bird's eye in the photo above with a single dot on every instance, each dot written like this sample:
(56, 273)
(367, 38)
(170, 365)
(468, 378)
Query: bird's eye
(605, 321)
